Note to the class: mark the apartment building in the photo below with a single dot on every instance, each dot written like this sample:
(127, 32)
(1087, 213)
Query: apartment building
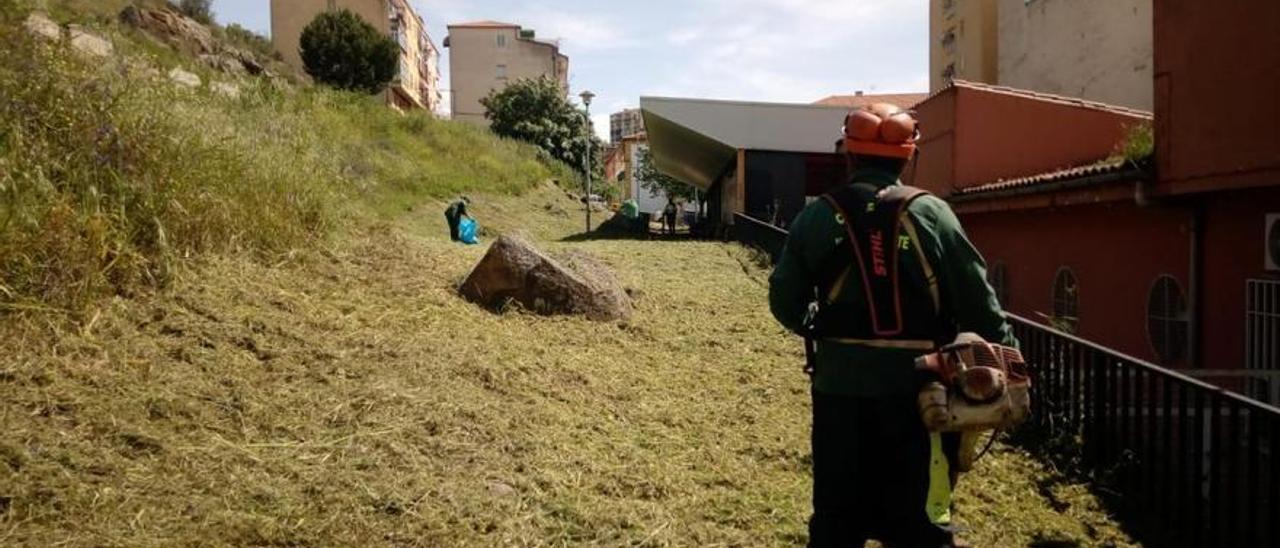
(417, 83)
(963, 42)
(1101, 51)
(487, 55)
(624, 124)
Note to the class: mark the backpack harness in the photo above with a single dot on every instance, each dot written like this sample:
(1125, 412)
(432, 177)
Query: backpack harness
(875, 233)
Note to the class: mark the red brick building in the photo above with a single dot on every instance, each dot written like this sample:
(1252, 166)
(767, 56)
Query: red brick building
(1163, 259)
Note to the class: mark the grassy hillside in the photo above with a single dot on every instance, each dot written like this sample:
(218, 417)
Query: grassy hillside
(348, 397)
(111, 174)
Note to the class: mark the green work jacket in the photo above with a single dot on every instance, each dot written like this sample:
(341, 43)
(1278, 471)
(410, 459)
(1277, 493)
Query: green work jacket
(963, 293)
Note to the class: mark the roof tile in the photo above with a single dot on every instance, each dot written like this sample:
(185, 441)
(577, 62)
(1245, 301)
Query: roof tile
(1110, 165)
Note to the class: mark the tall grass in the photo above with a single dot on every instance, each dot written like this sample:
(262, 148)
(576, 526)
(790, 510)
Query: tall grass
(108, 176)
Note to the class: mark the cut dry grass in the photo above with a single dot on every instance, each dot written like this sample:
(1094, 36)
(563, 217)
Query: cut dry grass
(348, 397)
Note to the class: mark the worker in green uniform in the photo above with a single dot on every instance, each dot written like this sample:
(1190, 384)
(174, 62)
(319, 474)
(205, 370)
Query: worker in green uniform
(875, 274)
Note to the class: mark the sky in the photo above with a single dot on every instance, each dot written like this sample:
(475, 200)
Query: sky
(756, 50)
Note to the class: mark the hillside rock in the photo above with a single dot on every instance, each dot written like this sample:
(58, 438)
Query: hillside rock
(189, 36)
(514, 270)
(89, 43)
(41, 26)
(184, 78)
(173, 28)
(225, 89)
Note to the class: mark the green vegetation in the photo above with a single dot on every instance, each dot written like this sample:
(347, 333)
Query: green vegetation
(200, 10)
(657, 181)
(341, 50)
(109, 175)
(1139, 144)
(247, 39)
(535, 111)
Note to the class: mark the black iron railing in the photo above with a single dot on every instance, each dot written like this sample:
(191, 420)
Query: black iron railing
(1188, 463)
(761, 235)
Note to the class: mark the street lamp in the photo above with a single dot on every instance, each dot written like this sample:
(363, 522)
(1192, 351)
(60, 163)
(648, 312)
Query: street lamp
(587, 96)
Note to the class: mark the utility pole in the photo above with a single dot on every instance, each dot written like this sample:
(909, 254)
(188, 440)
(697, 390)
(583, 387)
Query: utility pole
(587, 96)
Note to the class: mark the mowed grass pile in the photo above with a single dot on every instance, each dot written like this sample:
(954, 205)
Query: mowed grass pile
(349, 397)
(110, 176)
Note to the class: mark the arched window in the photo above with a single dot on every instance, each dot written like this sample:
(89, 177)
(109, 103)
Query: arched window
(998, 277)
(1066, 300)
(1167, 320)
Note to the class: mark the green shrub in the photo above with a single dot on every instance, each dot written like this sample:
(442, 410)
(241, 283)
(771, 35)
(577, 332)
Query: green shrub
(200, 10)
(250, 40)
(341, 50)
(535, 110)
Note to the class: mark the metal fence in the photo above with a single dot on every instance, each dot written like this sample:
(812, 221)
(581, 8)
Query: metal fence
(1187, 463)
(761, 235)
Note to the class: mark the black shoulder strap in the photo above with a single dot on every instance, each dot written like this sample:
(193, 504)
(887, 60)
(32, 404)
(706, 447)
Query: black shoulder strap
(872, 230)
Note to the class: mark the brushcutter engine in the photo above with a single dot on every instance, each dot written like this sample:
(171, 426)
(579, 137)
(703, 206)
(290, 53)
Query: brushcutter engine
(978, 386)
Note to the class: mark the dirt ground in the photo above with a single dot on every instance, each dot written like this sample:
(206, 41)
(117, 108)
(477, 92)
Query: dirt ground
(348, 397)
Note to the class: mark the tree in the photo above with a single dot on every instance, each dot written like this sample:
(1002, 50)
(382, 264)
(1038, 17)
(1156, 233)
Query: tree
(658, 182)
(341, 50)
(200, 10)
(536, 111)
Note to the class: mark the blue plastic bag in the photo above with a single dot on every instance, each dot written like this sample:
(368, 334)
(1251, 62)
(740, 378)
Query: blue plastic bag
(468, 231)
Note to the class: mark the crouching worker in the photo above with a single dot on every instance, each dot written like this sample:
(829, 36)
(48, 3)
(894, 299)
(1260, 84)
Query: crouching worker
(889, 276)
(454, 215)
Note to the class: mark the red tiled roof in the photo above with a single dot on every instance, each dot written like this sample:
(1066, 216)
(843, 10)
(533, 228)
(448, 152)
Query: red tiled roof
(1110, 165)
(485, 24)
(902, 100)
(1048, 97)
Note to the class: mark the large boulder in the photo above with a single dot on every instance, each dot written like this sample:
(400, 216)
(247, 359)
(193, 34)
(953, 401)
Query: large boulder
(183, 33)
(189, 36)
(514, 270)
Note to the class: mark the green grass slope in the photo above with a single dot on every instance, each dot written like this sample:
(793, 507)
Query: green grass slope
(111, 175)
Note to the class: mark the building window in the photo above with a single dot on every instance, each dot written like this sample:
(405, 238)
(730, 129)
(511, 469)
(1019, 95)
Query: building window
(502, 40)
(1167, 320)
(502, 72)
(997, 276)
(1066, 301)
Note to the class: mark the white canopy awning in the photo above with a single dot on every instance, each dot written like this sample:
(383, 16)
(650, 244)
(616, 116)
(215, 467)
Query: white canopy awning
(694, 140)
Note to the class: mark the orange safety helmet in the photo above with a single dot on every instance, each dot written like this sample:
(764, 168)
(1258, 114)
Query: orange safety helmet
(881, 129)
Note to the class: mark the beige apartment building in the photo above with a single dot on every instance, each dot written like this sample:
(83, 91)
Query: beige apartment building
(625, 123)
(1101, 51)
(417, 83)
(963, 42)
(487, 55)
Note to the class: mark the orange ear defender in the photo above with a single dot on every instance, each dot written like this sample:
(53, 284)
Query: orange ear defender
(881, 129)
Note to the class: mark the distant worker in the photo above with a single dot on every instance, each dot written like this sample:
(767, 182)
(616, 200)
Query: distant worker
(669, 217)
(875, 274)
(454, 215)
